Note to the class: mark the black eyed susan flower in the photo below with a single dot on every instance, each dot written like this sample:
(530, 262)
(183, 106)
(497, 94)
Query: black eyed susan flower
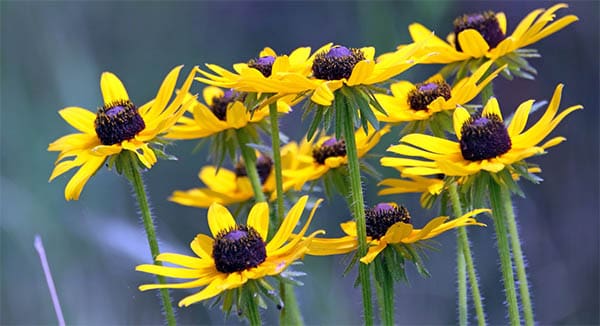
(327, 153)
(388, 224)
(227, 187)
(222, 110)
(118, 125)
(265, 74)
(483, 35)
(236, 254)
(484, 143)
(336, 66)
(409, 102)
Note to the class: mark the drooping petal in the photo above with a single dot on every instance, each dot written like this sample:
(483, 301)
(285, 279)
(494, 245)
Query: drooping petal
(80, 178)
(288, 225)
(373, 252)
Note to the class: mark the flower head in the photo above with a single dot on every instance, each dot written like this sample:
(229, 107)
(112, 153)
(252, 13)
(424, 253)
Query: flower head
(267, 73)
(327, 153)
(484, 34)
(484, 143)
(236, 254)
(222, 110)
(387, 224)
(410, 102)
(227, 187)
(118, 125)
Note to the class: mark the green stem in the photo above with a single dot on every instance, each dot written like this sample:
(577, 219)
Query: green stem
(357, 207)
(250, 162)
(252, 311)
(461, 271)
(134, 176)
(498, 210)
(290, 313)
(465, 248)
(276, 146)
(386, 291)
(509, 216)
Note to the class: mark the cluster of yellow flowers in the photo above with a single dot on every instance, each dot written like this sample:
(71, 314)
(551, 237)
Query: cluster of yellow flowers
(447, 141)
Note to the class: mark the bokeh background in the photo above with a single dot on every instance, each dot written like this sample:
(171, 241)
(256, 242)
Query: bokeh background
(52, 54)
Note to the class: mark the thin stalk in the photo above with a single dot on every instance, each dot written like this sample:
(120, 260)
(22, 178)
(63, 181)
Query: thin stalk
(139, 188)
(358, 208)
(508, 214)
(387, 290)
(275, 144)
(250, 163)
(465, 249)
(290, 314)
(498, 207)
(461, 275)
(251, 305)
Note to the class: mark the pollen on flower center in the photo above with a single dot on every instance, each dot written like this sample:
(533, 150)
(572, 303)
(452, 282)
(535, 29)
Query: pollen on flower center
(220, 103)
(382, 216)
(484, 137)
(238, 249)
(263, 64)
(330, 148)
(485, 23)
(118, 121)
(337, 63)
(425, 93)
(264, 165)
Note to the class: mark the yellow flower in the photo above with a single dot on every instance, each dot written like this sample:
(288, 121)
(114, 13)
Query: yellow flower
(117, 126)
(228, 187)
(493, 43)
(224, 110)
(236, 253)
(387, 223)
(334, 67)
(330, 153)
(484, 142)
(410, 102)
(265, 74)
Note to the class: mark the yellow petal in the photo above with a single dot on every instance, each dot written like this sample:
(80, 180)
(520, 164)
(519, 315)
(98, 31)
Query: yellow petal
(397, 232)
(80, 178)
(181, 260)
(209, 93)
(459, 117)
(80, 118)
(219, 219)
(472, 43)
(349, 228)
(288, 225)
(519, 119)
(202, 246)
(431, 143)
(501, 17)
(112, 88)
(492, 107)
(327, 247)
(236, 115)
(361, 71)
(373, 252)
(165, 92)
(258, 218)
(168, 271)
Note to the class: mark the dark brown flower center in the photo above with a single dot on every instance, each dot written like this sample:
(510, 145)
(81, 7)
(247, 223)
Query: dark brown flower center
(238, 249)
(485, 23)
(382, 216)
(337, 63)
(484, 137)
(330, 148)
(221, 103)
(264, 165)
(263, 64)
(118, 121)
(425, 93)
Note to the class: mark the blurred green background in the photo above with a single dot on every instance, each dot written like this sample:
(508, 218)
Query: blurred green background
(52, 55)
